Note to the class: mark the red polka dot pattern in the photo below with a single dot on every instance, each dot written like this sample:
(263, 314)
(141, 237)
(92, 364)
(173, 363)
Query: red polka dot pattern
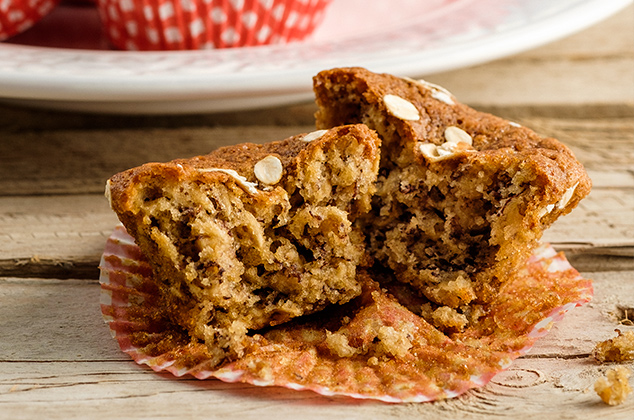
(206, 24)
(17, 16)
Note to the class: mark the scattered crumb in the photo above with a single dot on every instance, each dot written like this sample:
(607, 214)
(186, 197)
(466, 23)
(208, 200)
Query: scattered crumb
(614, 387)
(338, 344)
(448, 317)
(380, 341)
(396, 342)
(617, 349)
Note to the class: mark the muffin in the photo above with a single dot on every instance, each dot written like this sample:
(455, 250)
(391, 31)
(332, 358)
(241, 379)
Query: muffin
(206, 24)
(251, 236)
(394, 258)
(17, 16)
(462, 196)
(401, 181)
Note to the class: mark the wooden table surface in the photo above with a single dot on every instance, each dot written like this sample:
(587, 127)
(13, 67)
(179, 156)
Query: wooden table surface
(58, 360)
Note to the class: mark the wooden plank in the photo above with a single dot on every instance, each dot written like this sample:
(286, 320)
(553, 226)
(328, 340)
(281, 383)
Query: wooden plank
(531, 389)
(80, 161)
(56, 236)
(587, 226)
(596, 260)
(53, 320)
(57, 359)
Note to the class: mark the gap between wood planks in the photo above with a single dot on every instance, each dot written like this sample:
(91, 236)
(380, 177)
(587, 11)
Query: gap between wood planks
(46, 268)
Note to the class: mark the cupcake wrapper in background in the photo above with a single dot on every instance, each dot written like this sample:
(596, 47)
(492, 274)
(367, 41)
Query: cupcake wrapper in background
(206, 24)
(17, 16)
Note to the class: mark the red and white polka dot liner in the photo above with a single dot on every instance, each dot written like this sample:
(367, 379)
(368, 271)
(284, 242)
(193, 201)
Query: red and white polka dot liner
(17, 16)
(207, 24)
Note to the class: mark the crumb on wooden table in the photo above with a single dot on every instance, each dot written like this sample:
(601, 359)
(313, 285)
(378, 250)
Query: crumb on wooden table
(614, 387)
(617, 349)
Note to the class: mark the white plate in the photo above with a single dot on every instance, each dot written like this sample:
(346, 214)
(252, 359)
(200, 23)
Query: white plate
(405, 37)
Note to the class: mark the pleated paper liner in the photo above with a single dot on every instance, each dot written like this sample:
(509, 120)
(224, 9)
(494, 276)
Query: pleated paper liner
(373, 347)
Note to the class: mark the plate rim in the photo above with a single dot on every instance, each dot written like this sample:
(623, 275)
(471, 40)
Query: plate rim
(241, 90)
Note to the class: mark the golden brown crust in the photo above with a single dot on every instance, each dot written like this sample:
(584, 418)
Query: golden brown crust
(491, 134)
(240, 158)
(463, 196)
(235, 248)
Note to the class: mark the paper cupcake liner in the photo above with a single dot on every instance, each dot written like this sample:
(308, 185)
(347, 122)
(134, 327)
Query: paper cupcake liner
(17, 16)
(296, 355)
(205, 24)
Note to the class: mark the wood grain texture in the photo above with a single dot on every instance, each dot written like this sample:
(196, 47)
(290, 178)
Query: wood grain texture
(57, 356)
(80, 161)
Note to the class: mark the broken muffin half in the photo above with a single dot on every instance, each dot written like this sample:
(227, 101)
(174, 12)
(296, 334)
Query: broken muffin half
(462, 196)
(252, 235)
